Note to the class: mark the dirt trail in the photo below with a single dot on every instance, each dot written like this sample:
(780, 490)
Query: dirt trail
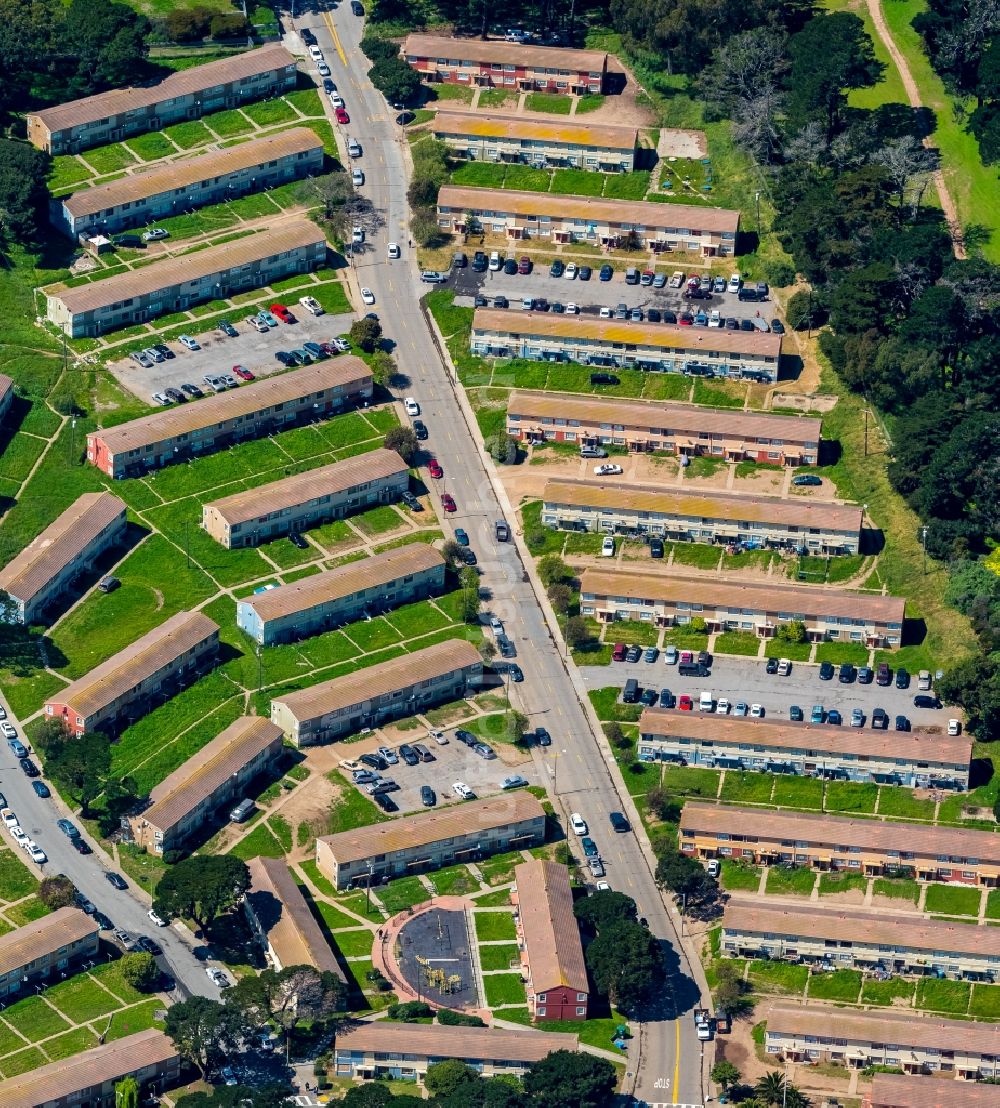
(913, 93)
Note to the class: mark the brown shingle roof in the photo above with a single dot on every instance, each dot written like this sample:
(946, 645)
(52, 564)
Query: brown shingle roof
(290, 492)
(694, 341)
(675, 419)
(104, 684)
(189, 267)
(894, 931)
(60, 1080)
(424, 828)
(511, 53)
(755, 596)
(44, 936)
(894, 1090)
(59, 543)
(590, 208)
(6, 384)
(432, 1040)
(201, 775)
(704, 505)
(601, 136)
(808, 738)
(182, 174)
(189, 81)
(868, 834)
(907, 1029)
(344, 372)
(281, 910)
(551, 933)
(321, 588)
(398, 673)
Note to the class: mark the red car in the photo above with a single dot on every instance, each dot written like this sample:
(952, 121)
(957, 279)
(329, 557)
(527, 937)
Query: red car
(524, 265)
(448, 502)
(435, 468)
(243, 373)
(686, 319)
(282, 313)
(342, 116)
(684, 704)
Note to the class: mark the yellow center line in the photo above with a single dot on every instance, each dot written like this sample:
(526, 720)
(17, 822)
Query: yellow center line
(677, 1062)
(328, 20)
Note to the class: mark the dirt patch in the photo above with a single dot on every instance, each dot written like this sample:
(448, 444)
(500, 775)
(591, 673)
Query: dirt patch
(656, 470)
(826, 491)
(159, 597)
(762, 481)
(717, 480)
(310, 804)
(677, 143)
(849, 896)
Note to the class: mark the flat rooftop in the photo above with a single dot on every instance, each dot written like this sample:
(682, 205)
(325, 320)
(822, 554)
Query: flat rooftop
(484, 125)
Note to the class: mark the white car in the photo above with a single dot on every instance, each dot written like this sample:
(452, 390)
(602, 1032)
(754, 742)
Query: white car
(459, 788)
(608, 547)
(357, 177)
(572, 309)
(323, 69)
(190, 343)
(38, 856)
(954, 727)
(158, 920)
(438, 736)
(411, 407)
(723, 706)
(495, 262)
(734, 283)
(8, 730)
(311, 304)
(578, 823)
(315, 53)
(670, 655)
(676, 279)
(607, 469)
(358, 234)
(757, 711)
(367, 296)
(342, 346)
(393, 250)
(605, 313)
(3, 712)
(603, 887)
(161, 398)
(257, 324)
(28, 844)
(715, 318)
(154, 234)
(17, 834)
(496, 623)
(570, 272)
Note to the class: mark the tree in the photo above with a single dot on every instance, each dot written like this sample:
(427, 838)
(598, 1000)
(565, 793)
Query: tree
(287, 997)
(344, 208)
(552, 570)
(401, 439)
(447, 1077)
(451, 552)
(793, 632)
(23, 173)
(79, 765)
(383, 367)
(188, 24)
(515, 726)
(230, 25)
(238, 1096)
(725, 1074)
(662, 805)
(377, 49)
(398, 82)
(560, 597)
(487, 650)
(424, 226)
(502, 449)
(604, 908)
(100, 46)
(683, 876)
(624, 961)
(202, 888)
(974, 684)
(57, 891)
(204, 1031)
(140, 970)
(127, 1093)
(365, 334)
(567, 1079)
(731, 989)
(616, 736)
(468, 579)
(576, 632)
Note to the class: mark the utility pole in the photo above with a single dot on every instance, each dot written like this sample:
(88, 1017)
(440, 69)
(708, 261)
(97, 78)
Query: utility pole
(368, 890)
(866, 430)
(923, 544)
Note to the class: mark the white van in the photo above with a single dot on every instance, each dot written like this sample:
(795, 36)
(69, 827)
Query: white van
(706, 702)
(241, 811)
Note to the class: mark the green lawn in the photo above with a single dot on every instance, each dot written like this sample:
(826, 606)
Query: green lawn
(883, 993)
(356, 943)
(351, 809)
(798, 881)
(109, 159)
(740, 787)
(737, 875)
(903, 804)
(843, 985)
(952, 900)
(738, 642)
(951, 997)
(35, 1019)
(550, 102)
(797, 792)
(985, 1003)
(503, 988)
(690, 781)
(403, 893)
(16, 880)
(498, 899)
(839, 652)
(498, 957)
(850, 796)
(151, 147)
(832, 883)
(492, 926)
(189, 134)
(260, 842)
(777, 977)
(701, 556)
(898, 888)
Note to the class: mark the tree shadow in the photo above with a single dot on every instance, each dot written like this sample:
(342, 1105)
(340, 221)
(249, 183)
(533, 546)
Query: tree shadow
(914, 631)
(980, 772)
(830, 452)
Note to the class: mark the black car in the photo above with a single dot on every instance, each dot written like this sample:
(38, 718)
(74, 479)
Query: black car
(516, 674)
(103, 922)
(654, 315)
(558, 308)
(583, 273)
(459, 261)
(284, 357)
(408, 754)
(656, 548)
(297, 540)
(501, 302)
(480, 301)
(328, 85)
(619, 822)
(162, 348)
(28, 767)
(420, 429)
(833, 717)
(648, 698)
(376, 761)
(510, 266)
(606, 273)
(469, 557)
(357, 8)
(480, 262)
(507, 649)
(3, 801)
(865, 675)
(846, 674)
(879, 719)
(539, 304)
(704, 658)
(307, 36)
(902, 723)
(746, 325)
(466, 737)
(922, 700)
(175, 395)
(633, 654)
(667, 698)
(902, 678)
(228, 329)
(542, 737)
(80, 846)
(411, 502)
(669, 317)
(557, 269)
(385, 802)
(192, 390)
(795, 714)
(826, 671)
(117, 880)
(777, 327)
(772, 666)
(148, 946)
(428, 797)
(732, 324)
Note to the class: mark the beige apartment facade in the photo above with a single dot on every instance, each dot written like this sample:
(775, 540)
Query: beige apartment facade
(185, 801)
(803, 526)
(189, 94)
(521, 216)
(44, 947)
(306, 500)
(482, 137)
(68, 547)
(913, 759)
(902, 1040)
(686, 430)
(873, 848)
(665, 599)
(370, 697)
(325, 600)
(429, 840)
(133, 681)
(893, 1090)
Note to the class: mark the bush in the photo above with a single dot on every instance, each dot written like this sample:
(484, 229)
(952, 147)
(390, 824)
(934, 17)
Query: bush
(424, 226)
(365, 334)
(458, 1019)
(56, 891)
(502, 449)
(188, 24)
(780, 274)
(140, 971)
(411, 1010)
(378, 49)
(403, 440)
(230, 25)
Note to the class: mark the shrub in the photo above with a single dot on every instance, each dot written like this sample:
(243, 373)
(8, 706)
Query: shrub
(230, 25)
(780, 274)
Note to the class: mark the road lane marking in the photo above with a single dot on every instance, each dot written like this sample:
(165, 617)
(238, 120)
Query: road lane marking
(677, 1061)
(328, 20)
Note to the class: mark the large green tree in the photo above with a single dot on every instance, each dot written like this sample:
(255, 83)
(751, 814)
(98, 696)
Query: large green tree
(569, 1079)
(23, 193)
(80, 764)
(625, 963)
(287, 997)
(202, 888)
(205, 1031)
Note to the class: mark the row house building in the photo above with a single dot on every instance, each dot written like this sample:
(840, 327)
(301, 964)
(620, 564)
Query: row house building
(50, 945)
(893, 1090)
(260, 408)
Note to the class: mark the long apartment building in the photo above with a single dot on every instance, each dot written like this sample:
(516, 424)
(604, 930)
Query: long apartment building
(520, 216)
(130, 683)
(682, 429)
(190, 797)
(6, 394)
(44, 947)
(123, 112)
(324, 600)
(549, 937)
(863, 940)
(68, 547)
(914, 759)
(871, 847)
(372, 1049)
(903, 1040)
(370, 697)
(90, 1078)
(279, 916)
(893, 1090)
(482, 137)
(178, 283)
(621, 344)
(428, 840)
(809, 527)
(249, 412)
(172, 187)
(306, 500)
(666, 599)
(509, 65)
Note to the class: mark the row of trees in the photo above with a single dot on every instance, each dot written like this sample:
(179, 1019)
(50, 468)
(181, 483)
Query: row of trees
(623, 957)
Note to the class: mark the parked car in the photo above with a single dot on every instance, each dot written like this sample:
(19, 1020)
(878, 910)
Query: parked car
(115, 879)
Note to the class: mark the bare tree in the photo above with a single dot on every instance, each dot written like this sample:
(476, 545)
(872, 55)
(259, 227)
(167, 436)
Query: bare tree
(755, 125)
(909, 163)
(808, 145)
(344, 208)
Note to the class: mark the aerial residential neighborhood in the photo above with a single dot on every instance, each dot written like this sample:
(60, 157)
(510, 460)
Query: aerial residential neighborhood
(499, 570)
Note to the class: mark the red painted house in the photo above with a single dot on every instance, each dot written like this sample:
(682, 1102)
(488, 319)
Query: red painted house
(496, 64)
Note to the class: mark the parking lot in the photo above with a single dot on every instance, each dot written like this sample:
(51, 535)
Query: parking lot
(745, 679)
(590, 296)
(219, 352)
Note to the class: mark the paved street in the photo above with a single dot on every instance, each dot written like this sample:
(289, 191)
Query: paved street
(670, 1052)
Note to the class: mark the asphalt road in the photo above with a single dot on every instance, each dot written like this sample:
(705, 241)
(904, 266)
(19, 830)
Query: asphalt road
(183, 958)
(670, 1068)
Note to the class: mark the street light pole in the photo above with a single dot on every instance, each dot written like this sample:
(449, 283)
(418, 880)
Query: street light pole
(368, 889)
(923, 544)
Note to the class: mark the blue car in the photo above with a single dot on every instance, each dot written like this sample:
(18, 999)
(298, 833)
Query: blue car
(606, 273)
(817, 714)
